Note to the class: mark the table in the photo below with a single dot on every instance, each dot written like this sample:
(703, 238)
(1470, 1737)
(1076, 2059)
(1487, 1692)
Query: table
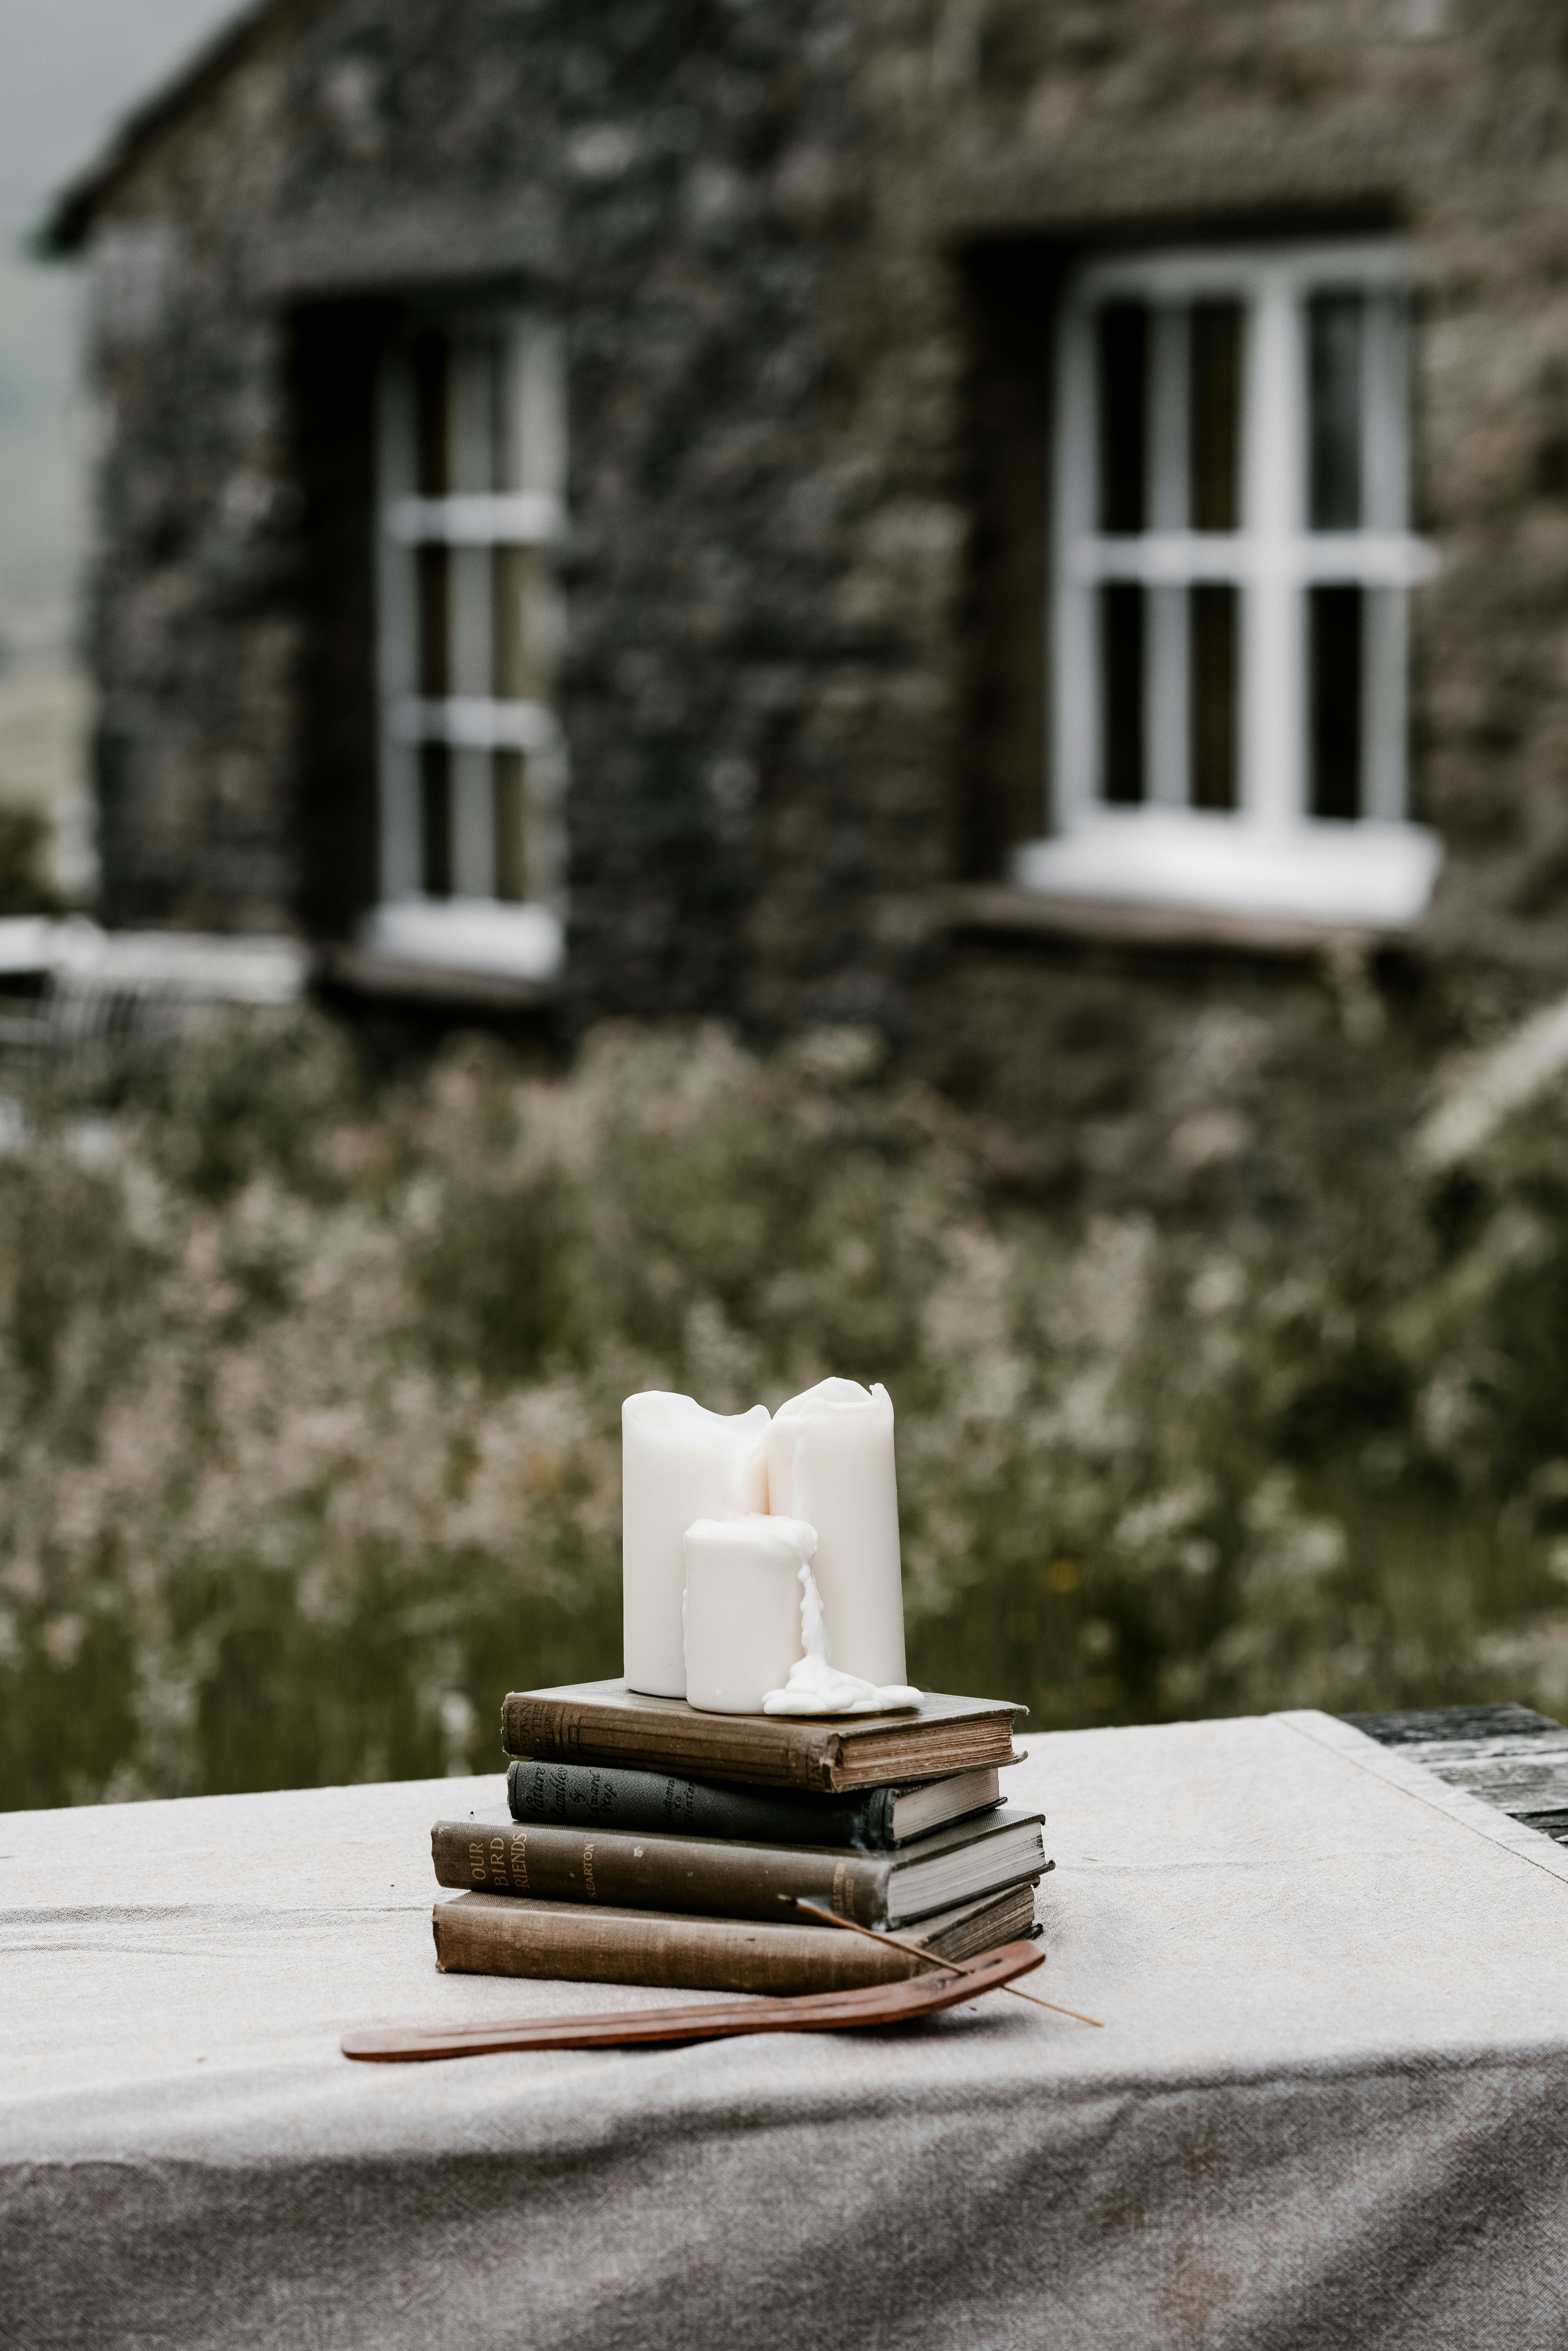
(1329, 2107)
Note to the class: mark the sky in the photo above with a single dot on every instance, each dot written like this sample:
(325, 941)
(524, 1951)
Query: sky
(70, 69)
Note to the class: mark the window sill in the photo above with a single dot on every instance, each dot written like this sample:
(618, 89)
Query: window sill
(453, 951)
(999, 912)
(1185, 867)
(363, 973)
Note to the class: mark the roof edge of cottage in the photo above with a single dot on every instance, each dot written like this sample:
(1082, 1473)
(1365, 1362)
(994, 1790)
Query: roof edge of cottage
(64, 229)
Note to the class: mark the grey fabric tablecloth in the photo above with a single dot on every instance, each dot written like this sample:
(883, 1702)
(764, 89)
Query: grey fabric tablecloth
(1329, 2107)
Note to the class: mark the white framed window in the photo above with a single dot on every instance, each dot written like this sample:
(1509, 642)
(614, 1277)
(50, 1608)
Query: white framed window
(471, 489)
(1231, 572)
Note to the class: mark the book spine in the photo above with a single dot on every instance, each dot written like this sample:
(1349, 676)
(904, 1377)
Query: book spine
(499, 1936)
(625, 1870)
(714, 1747)
(600, 1796)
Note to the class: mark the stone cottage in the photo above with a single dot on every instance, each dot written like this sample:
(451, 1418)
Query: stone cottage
(1040, 526)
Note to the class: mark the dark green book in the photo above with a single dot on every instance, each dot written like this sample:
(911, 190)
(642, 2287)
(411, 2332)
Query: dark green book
(661, 1804)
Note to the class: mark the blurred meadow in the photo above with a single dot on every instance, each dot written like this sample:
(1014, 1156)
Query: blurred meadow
(311, 1382)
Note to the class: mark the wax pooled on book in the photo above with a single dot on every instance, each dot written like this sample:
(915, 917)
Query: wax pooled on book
(815, 1686)
(830, 1462)
(678, 1463)
(742, 1609)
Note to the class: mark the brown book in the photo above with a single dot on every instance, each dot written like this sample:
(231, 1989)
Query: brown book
(570, 1942)
(605, 1722)
(722, 1877)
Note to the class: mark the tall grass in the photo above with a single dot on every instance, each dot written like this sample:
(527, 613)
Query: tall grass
(309, 1398)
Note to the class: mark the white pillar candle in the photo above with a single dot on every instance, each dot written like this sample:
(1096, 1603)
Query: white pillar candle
(829, 1462)
(678, 1463)
(743, 1608)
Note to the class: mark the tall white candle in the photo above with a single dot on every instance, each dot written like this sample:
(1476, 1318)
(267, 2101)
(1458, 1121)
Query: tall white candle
(829, 1462)
(678, 1463)
(743, 1609)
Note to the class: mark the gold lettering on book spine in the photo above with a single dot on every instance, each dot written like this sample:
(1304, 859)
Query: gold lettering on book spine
(476, 1863)
(518, 1858)
(840, 1876)
(588, 1872)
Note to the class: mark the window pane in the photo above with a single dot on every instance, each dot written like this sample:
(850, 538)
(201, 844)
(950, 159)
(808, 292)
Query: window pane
(511, 861)
(1212, 636)
(498, 375)
(436, 817)
(1334, 368)
(1123, 353)
(1214, 413)
(431, 409)
(1122, 691)
(524, 623)
(1334, 658)
(435, 621)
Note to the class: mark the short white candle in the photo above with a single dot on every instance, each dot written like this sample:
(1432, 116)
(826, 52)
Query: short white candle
(743, 1609)
(678, 1463)
(829, 1462)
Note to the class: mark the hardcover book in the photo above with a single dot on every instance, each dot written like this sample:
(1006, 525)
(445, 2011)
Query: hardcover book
(607, 1796)
(570, 1943)
(631, 1869)
(605, 1722)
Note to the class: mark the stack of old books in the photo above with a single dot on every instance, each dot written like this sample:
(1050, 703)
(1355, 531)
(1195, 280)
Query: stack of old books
(650, 1844)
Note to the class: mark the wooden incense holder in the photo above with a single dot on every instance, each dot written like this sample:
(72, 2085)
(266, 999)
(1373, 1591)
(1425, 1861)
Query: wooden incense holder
(719, 2020)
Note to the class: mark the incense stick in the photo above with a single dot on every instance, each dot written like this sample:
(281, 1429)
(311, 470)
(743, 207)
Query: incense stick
(830, 1917)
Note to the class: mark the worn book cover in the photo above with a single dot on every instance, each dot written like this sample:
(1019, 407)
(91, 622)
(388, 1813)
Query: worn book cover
(636, 1870)
(610, 1796)
(568, 1942)
(605, 1722)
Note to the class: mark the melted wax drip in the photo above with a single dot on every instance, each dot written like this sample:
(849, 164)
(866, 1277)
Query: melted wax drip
(815, 1687)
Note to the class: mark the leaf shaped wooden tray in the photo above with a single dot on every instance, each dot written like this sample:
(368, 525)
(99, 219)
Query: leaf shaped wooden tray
(719, 2020)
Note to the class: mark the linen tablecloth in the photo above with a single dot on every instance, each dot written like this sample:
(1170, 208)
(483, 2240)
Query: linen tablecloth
(1329, 2106)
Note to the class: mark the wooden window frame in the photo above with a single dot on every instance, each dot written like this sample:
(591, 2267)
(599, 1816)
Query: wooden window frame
(464, 719)
(1270, 855)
